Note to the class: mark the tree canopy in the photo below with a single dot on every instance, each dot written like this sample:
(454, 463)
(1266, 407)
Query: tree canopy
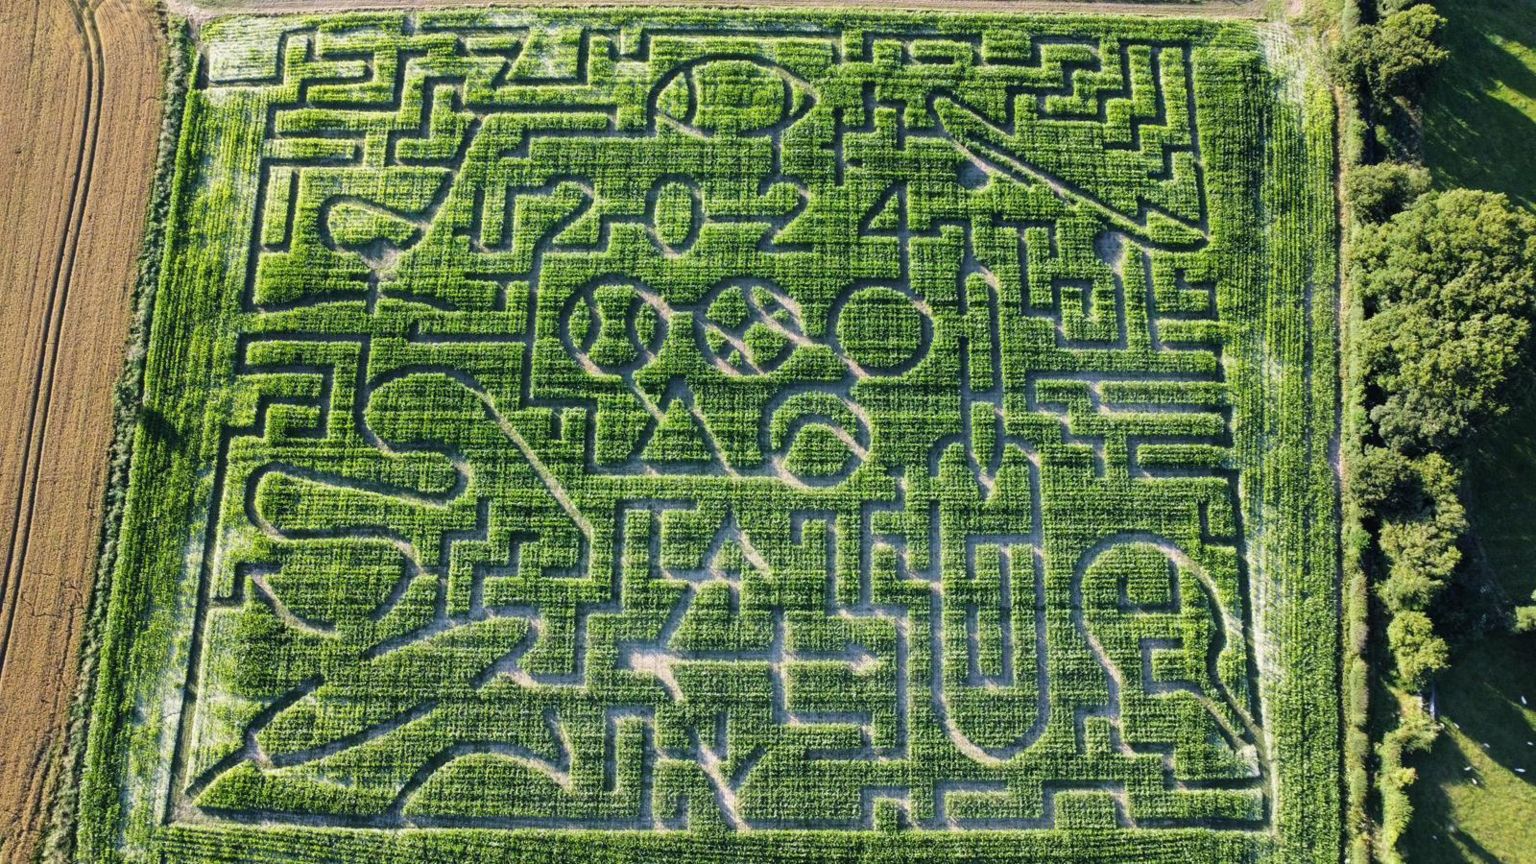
(1394, 58)
(1450, 288)
(1378, 192)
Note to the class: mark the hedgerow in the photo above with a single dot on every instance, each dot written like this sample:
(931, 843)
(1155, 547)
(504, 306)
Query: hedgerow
(731, 437)
(1438, 321)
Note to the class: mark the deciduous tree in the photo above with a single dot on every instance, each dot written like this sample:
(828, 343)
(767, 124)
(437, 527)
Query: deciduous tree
(1450, 288)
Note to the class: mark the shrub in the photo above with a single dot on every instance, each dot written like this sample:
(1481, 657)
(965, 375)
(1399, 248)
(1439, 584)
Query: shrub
(1378, 192)
(1525, 619)
(1422, 557)
(1387, 7)
(1418, 651)
(1422, 554)
(1383, 481)
(1415, 733)
(1406, 50)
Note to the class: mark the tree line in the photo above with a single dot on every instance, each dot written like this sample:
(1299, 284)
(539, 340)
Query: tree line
(1445, 282)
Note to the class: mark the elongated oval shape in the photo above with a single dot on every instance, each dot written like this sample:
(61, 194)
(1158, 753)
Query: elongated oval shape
(677, 213)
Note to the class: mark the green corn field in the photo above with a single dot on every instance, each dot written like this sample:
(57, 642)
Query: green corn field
(726, 436)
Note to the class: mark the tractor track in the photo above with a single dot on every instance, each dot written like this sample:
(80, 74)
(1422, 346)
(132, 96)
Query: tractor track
(1254, 9)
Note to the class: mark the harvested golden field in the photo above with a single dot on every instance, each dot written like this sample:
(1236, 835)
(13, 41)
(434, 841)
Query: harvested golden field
(79, 137)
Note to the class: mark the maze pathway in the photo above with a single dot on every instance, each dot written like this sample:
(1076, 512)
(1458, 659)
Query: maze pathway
(710, 425)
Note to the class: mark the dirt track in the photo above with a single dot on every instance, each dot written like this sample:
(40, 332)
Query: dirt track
(78, 130)
(1194, 9)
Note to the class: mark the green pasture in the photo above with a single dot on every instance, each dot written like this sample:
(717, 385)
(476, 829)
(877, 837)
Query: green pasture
(1479, 120)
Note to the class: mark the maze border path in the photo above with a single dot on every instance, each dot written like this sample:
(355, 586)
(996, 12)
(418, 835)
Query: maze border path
(772, 306)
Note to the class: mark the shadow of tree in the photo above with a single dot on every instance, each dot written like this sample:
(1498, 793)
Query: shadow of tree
(159, 428)
(1484, 701)
(1432, 839)
(1471, 803)
(1480, 112)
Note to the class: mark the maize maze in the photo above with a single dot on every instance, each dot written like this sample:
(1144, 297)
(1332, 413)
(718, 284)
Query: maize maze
(725, 434)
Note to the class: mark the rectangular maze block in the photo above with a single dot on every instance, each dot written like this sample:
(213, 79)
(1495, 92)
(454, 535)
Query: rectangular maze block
(733, 433)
